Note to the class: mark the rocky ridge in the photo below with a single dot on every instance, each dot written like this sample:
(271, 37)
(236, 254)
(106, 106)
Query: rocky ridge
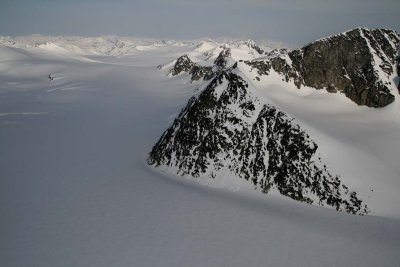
(359, 63)
(210, 57)
(197, 72)
(226, 127)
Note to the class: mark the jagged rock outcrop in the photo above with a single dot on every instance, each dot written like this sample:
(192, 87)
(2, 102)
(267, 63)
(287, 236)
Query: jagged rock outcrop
(182, 64)
(222, 60)
(358, 63)
(278, 63)
(252, 46)
(226, 127)
(197, 72)
(201, 72)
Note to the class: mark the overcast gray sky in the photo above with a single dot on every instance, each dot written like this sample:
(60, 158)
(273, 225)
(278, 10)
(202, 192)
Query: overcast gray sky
(292, 21)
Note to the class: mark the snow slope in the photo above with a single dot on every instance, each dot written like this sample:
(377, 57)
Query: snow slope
(75, 189)
(358, 143)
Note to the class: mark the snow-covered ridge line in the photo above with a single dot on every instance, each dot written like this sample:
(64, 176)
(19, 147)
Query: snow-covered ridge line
(112, 45)
(349, 31)
(208, 58)
(359, 63)
(102, 45)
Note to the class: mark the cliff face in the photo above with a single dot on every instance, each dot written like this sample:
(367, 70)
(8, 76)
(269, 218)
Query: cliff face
(357, 63)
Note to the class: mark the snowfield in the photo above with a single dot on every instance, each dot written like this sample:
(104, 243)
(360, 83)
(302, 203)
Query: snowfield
(75, 189)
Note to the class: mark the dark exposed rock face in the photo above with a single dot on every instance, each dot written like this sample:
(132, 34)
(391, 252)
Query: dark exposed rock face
(347, 61)
(221, 60)
(184, 64)
(278, 64)
(198, 72)
(227, 127)
(352, 63)
(262, 67)
(398, 69)
(201, 72)
(398, 61)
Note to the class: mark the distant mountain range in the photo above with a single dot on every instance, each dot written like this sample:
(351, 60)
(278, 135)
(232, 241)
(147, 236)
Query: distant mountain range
(114, 45)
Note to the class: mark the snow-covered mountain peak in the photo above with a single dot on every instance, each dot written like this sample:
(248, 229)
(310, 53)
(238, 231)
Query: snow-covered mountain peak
(206, 45)
(252, 46)
(227, 130)
(233, 128)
